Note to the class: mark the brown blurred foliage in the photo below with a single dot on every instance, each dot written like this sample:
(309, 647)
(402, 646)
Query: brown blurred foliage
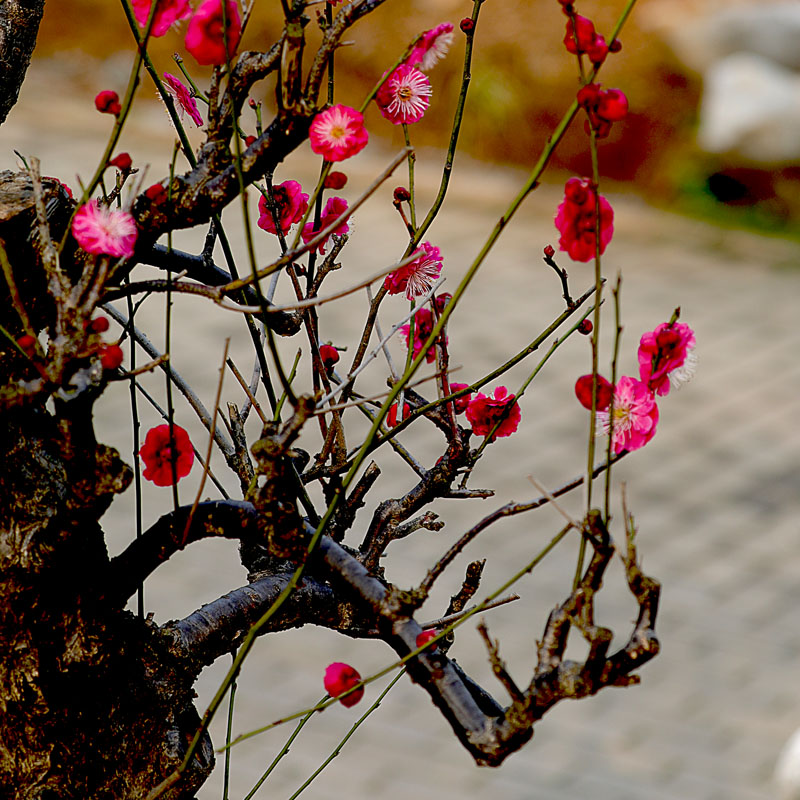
(522, 80)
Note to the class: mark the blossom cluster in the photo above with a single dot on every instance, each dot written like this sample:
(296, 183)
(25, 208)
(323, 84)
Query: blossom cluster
(577, 222)
(628, 410)
(212, 34)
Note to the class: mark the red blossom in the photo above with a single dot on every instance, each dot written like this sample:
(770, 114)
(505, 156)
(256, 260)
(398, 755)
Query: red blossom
(577, 223)
(603, 106)
(484, 412)
(334, 208)
(205, 38)
(291, 203)
(582, 38)
(339, 678)
(423, 327)
(107, 102)
(157, 454)
(583, 391)
(460, 403)
(441, 300)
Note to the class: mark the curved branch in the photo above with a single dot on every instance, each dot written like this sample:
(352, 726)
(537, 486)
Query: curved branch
(231, 519)
(219, 627)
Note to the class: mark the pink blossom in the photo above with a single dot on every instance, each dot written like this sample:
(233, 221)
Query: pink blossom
(334, 208)
(576, 220)
(432, 47)
(417, 277)
(635, 415)
(291, 204)
(184, 102)
(484, 412)
(339, 678)
(204, 35)
(405, 95)
(167, 14)
(101, 230)
(423, 327)
(666, 356)
(337, 133)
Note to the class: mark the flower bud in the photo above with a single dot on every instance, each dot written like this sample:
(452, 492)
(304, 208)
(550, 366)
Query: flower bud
(122, 162)
(335, 180)
(107, 102)
(329, 355)
(549, 251)
(585, 327)
(340, 677)
(401, 194)
(583, 391)
(424, 637)
(467, 25)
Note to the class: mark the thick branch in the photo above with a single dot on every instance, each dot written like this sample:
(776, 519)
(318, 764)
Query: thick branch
(19, 25)
(231, 519)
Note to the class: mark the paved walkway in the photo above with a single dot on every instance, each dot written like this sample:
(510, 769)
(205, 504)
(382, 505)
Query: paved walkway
(715, 496)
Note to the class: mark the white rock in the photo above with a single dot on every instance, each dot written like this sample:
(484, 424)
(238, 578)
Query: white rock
(787, 770)
(751, 107)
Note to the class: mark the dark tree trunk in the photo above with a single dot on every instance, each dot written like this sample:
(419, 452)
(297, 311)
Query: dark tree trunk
(19, 25)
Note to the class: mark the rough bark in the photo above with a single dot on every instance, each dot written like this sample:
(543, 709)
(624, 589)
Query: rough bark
(19, 26)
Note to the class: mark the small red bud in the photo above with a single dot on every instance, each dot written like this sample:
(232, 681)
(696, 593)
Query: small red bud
(122, 162)
(111, 356)
(441, 301)
(549, 251)
(585, 327)
(107, 102)
(467, 25)
(339, 678)
(401, 194)
(252, 103)
(615, 46)
(248, 140)
(156, 194)
(424, 637)
(28, 344)
(583, 391)
(329, 355)
(98, 325)
(335, 180)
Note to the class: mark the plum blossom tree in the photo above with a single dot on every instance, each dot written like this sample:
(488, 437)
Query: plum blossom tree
(99, 702)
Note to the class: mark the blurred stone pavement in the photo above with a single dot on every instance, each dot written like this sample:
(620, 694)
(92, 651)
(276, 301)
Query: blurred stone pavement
(715, 494)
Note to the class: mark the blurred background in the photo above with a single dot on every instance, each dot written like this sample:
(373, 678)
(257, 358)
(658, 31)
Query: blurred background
(713, 85)
(703, 179)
